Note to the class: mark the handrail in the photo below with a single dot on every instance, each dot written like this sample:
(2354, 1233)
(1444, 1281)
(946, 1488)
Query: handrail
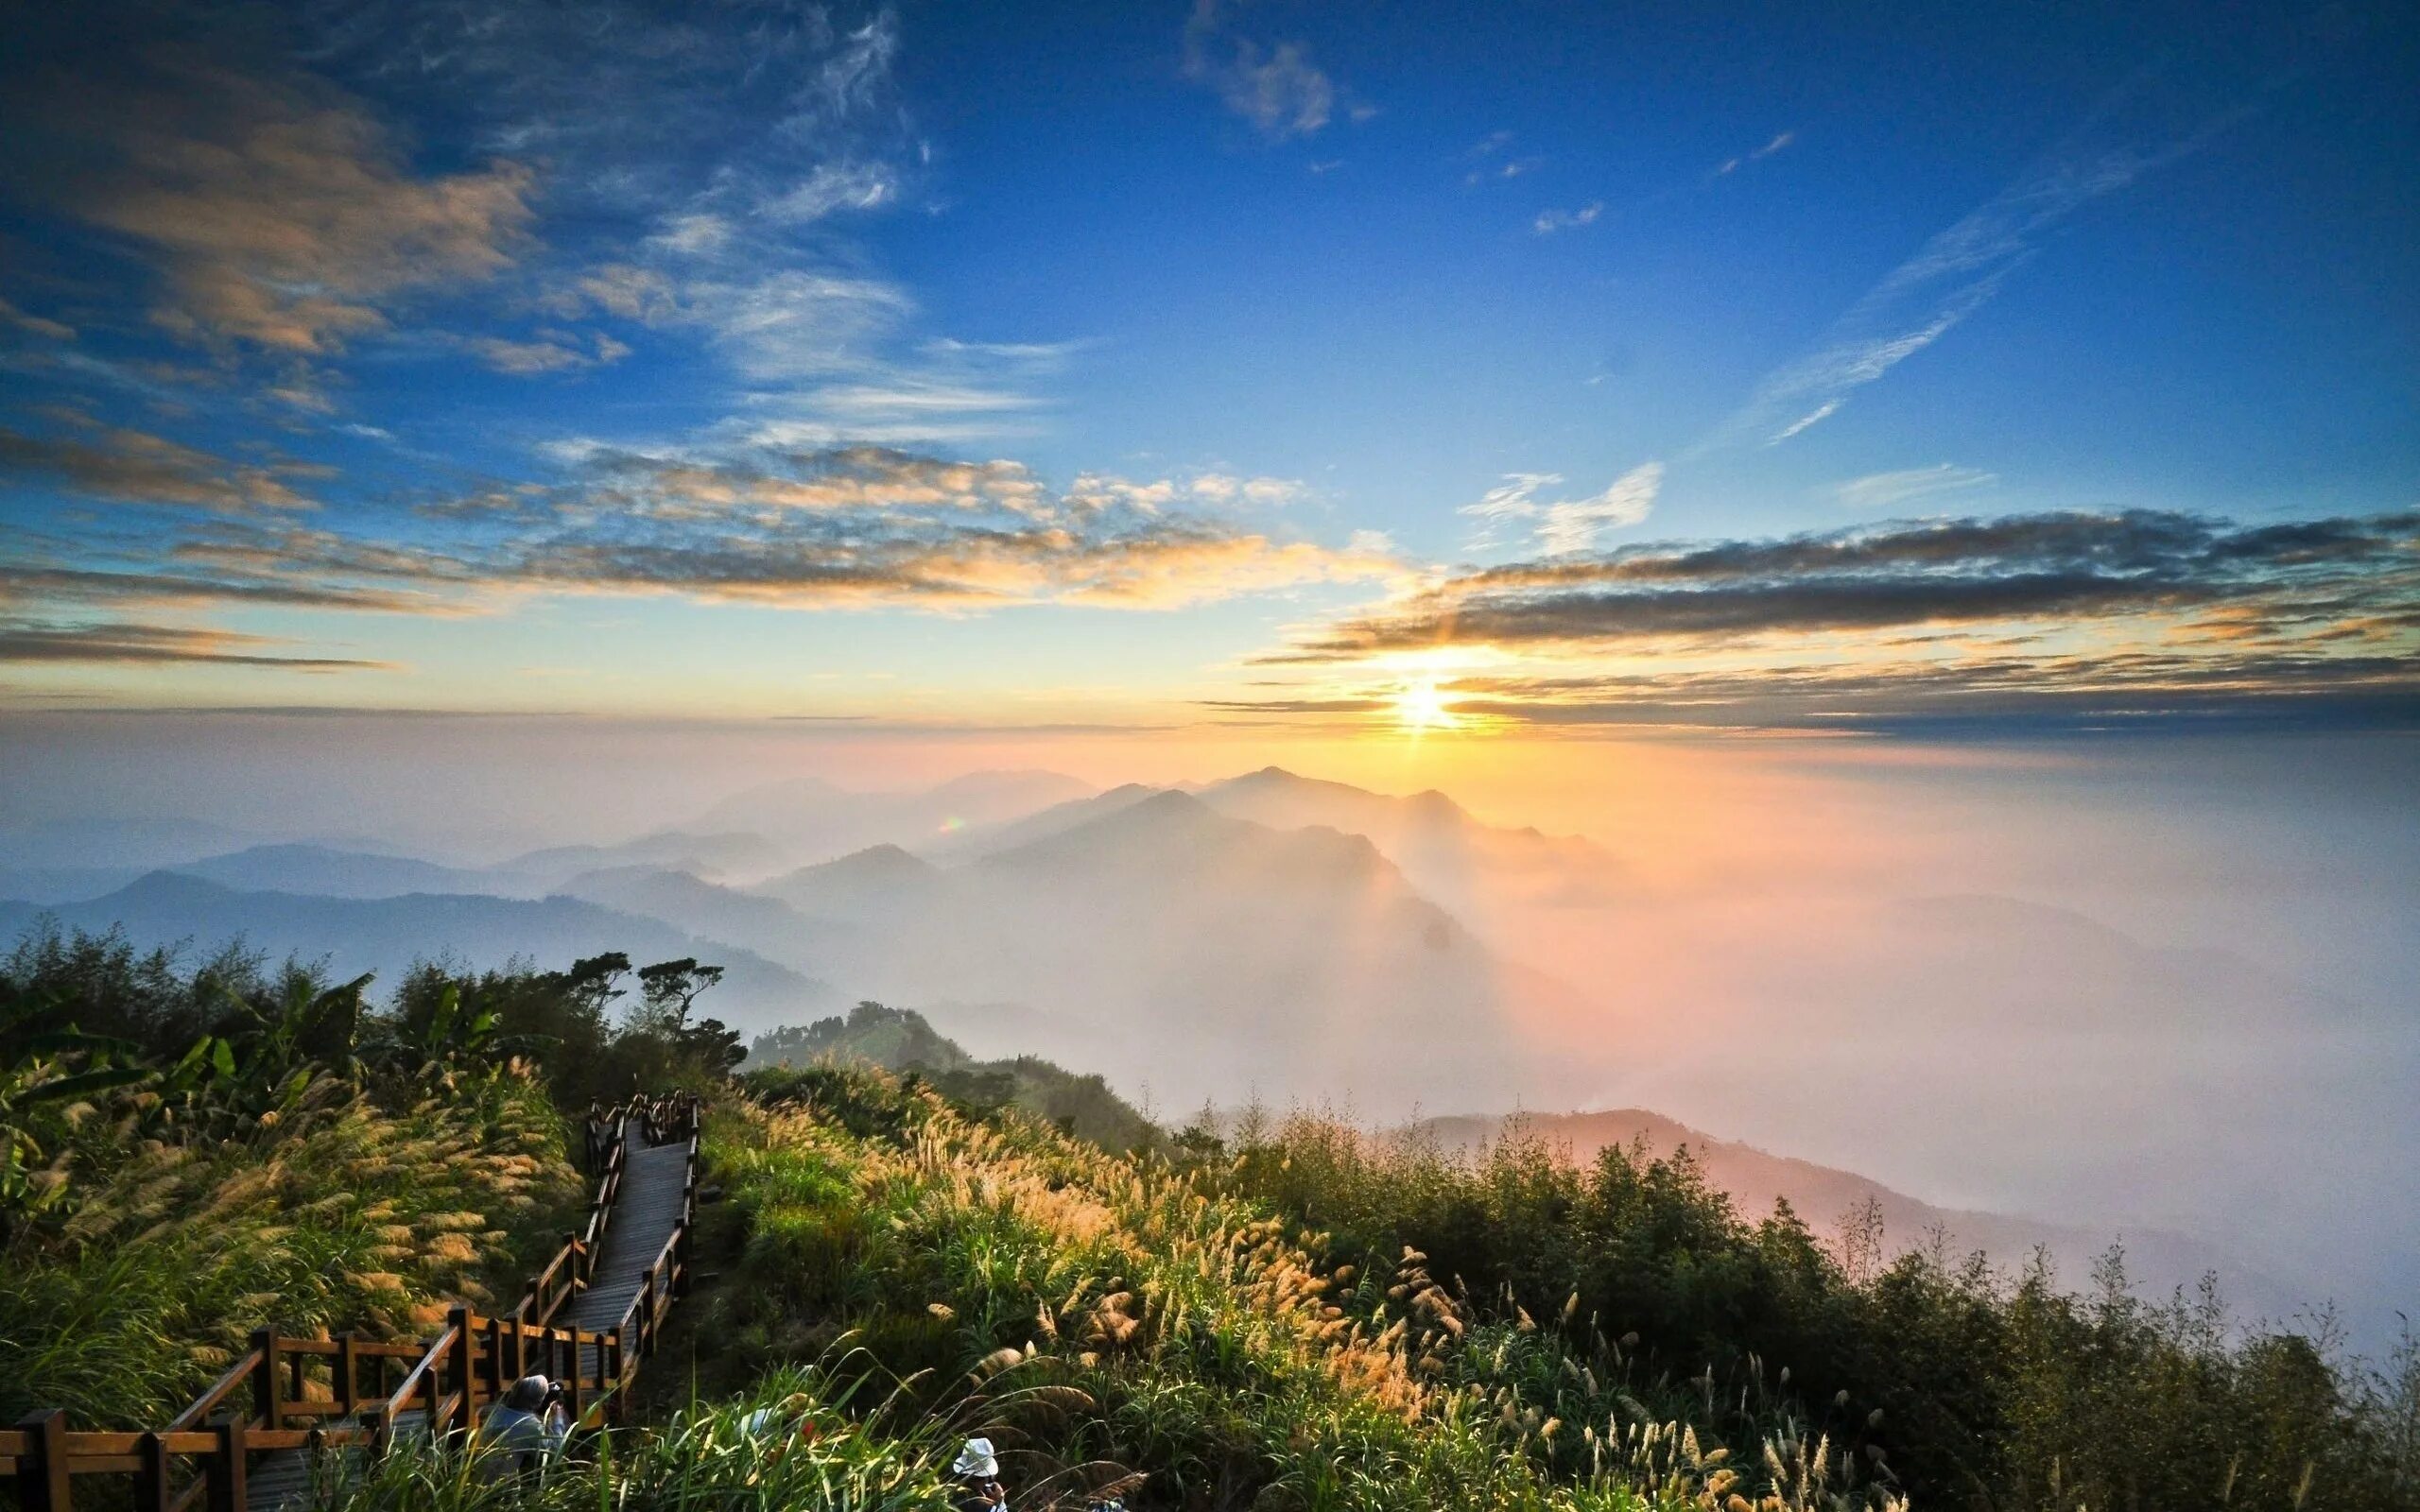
(220, 1391)
(42, 1456)
(432, 1358)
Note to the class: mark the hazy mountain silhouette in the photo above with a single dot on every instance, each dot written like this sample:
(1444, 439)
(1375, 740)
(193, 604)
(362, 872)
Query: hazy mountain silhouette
(1219, 955)
(1467, 866)
(754, 923)
(731, 853)
(1435, 840)
(1055, 820)
(808, 819)
(324, 871)
(386, 935)
(880, 881)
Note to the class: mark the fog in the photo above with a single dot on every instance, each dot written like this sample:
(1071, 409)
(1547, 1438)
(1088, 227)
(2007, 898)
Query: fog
(2125, 982)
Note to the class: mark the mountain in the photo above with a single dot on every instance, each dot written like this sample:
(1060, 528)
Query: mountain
(731, 853)
(387, 935)
(59, 885)
(1474, 870)
(808, 819)
(901, 1040)
(1217, 956)
(878, 880)
(327, 872)
(765, 925)
(1055, 820)
(2156, 1260)
(1467, 866)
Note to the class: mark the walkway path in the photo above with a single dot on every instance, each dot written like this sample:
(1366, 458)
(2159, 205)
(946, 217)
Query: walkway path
(645, 1214)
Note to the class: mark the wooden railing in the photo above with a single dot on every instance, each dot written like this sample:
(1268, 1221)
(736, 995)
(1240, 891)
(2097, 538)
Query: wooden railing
(292, 1393)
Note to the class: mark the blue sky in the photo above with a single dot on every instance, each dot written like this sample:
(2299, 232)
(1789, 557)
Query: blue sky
(1235, 361)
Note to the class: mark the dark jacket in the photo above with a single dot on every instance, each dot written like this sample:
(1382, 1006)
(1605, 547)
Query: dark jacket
(979, 1496)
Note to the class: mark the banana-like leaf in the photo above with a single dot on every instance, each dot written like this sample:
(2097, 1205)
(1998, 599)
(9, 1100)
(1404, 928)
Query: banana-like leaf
(71, 1040)
(83, 1084)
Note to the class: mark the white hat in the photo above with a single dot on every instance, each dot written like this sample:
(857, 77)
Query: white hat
(976, 1459)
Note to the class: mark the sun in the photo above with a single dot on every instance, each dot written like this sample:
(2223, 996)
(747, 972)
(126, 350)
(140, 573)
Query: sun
(1422, 705)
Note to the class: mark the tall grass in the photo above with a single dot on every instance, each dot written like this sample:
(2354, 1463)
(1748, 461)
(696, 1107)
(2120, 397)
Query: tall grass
(338, 1216)
(832, 1445)
(1969, 1387)
(1124, 1313)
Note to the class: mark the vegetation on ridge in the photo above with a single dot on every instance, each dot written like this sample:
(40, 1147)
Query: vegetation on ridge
(899, 1040)
(195, 1150)
(1275, 1315)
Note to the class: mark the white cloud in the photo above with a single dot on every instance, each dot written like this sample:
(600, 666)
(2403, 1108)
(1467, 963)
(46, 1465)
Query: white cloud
(1955, 273)
(1223, 489)
(1885, 491)
(1551, 221)
(1627, 501)
(1569, 524)
(833, 187)
(1277, 88)
(1820, 413)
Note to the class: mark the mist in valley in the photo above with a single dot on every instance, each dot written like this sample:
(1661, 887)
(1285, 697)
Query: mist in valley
(2050, 994)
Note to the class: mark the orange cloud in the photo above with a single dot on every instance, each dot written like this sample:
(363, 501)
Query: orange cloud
(278, 214)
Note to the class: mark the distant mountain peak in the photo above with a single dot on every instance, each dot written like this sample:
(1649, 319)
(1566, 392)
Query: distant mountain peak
(884, 857)
(166, 885)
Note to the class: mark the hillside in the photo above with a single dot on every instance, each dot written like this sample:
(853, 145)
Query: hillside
(328, 872)
(1223, 956)
(1472, 869)
(387, 935)
(734, 853)
(901, 1040)
(1828, 1201)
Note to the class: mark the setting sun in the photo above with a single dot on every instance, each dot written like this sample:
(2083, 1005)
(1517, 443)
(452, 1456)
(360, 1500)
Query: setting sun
(1422, 705)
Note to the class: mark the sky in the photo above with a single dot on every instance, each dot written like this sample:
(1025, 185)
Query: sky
(1311, 372)
(1834, 457)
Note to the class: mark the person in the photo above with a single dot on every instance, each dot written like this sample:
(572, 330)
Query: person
(778, 1430)
(977, 1474)
(526, 1428)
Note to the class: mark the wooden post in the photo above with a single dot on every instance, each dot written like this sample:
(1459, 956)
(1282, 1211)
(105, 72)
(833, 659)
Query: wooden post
(151, 1481)
(494, 1369)
(265, 1387)
(609, 1381)
(646, 1313)
(226, 1472)
(466, 1370)
(42, 1476)
(573, 1393)
(347, 1385)
(681, 1245)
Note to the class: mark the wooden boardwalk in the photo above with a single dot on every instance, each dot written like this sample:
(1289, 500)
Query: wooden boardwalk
(321, 1407)
(650, 1211)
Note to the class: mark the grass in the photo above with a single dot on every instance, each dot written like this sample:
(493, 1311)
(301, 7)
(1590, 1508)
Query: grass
(338, 1217)
(1221, 1352)
(834, 1445)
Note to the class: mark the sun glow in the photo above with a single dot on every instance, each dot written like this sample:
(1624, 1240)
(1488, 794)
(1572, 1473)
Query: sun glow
(1422, 706)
